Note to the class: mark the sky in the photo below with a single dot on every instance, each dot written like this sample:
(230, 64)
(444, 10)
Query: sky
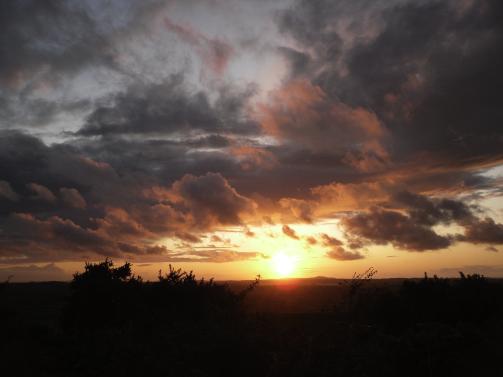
(290, 138)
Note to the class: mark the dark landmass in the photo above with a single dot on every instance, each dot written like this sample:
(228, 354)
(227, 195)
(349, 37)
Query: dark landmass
(107, 322)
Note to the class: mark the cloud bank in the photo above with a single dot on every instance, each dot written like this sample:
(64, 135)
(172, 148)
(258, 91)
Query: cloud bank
(125, 126)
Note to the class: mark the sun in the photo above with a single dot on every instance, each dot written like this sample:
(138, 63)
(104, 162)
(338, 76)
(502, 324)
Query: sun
(283, 264)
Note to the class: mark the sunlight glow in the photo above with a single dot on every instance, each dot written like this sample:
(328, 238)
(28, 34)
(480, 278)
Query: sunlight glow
(283, 264)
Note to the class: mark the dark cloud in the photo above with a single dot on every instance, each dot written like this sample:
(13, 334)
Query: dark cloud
(373, 124)
(483, 231)
(47, 48)
(406, 221)
(168, 108)
(28, 238)
(429, 212)
(53, 34)
(42, 42)
(302, 113)
(341, 254)
(41, 193)
(380, 226)
(211, 199)
(6, 191)
(298, 60)
(72, 198)
(41, 45)
(396, 59)
(337, 251)
(307, 22)
(67, 205)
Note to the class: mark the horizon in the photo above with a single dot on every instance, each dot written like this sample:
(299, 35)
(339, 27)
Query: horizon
(287, 139)
(22, 277)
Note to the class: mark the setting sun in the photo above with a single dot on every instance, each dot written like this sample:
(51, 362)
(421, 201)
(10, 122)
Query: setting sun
(283, 264)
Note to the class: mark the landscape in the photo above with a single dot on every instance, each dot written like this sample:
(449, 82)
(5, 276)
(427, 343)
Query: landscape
(109, 322)
(251, 188)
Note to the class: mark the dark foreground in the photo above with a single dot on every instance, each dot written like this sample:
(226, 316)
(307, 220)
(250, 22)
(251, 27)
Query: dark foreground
(109, 323)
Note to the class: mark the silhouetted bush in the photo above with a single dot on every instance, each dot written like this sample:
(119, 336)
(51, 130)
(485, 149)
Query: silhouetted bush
(183, 322)
(471, 298)
(115, 324)
(103, 296)
(4, 310)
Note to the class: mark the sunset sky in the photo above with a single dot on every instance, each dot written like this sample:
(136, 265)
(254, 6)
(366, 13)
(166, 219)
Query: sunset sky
(290, 138)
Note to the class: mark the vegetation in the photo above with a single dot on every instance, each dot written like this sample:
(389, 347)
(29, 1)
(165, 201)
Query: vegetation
(114, 323)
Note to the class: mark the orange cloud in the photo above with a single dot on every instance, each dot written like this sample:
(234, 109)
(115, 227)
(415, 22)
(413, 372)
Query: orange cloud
(300, 112)
(252, 158)
(289, 232)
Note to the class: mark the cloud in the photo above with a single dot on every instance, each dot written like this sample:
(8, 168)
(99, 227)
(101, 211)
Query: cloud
(116, 142)
(30, 238)
(249, 233)
(330, 241)
(254, 158)
(340, 254)
(301, 209)
(72, 198)
(48, 272)
(408, 219)
(187, 237)
(215, 53)
(337, 251)
(32, 40)
(210, 199)
(224, 256)
(211, 255)
(289, 232)
(425, 211)
(41, 192)
(47, 45)
(300, 112)
(483, 231)
(381, 227)
(169, 107)
(6, 191)
(407, 78)
(215, 238)
(99, 212)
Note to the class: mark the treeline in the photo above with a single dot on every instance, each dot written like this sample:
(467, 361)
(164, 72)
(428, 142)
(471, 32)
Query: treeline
(115, 324)
(468, 299)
